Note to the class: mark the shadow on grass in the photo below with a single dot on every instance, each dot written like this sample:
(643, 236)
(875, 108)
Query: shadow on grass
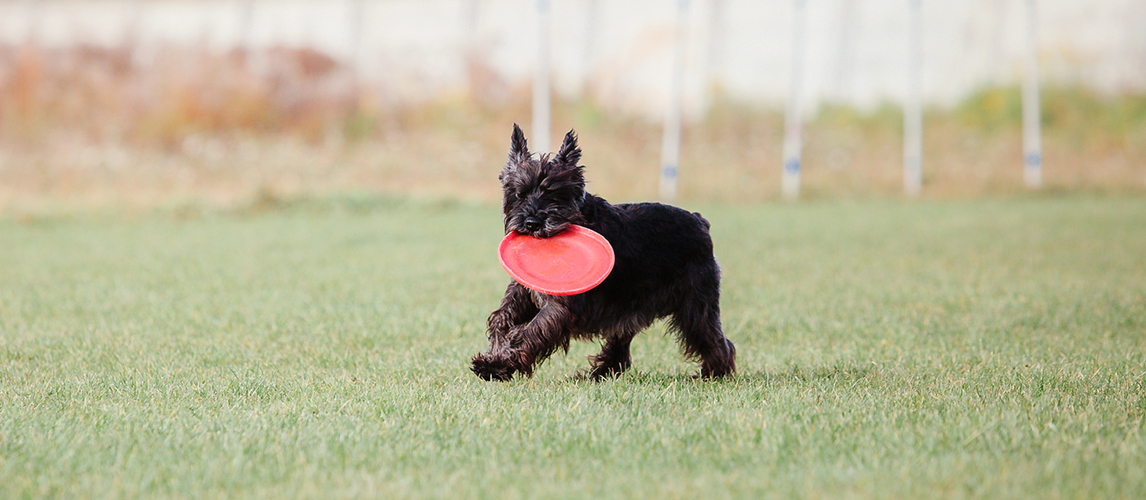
(795, 375)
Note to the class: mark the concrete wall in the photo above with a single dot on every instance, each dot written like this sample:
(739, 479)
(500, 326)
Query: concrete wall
(621, 49)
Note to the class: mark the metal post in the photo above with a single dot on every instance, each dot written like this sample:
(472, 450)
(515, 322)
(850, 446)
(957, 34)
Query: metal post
(714, 60)
(34, 10)
(589, 52)
(357, 12)
(1032, 140)
(793, 121)
(246, 25)
(540, 137)
(843, 68)
(913, 108)
(670, 144)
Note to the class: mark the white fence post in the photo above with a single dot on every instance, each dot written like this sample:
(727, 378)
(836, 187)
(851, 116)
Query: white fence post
(913, 108)
(670, 143)
(357, 13)
(1032, 133)
(793, 122)
(589, 49)
(540, 137)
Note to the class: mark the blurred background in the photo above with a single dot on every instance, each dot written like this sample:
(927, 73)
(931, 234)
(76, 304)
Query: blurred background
(168, 103)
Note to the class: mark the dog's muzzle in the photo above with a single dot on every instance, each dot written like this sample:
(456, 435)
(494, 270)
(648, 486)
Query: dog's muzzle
(533, 225)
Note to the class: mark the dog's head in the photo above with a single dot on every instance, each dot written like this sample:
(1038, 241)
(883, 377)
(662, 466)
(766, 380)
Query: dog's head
(542, 196)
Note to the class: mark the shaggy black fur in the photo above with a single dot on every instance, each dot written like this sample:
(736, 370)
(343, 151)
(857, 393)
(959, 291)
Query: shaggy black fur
(664, 268)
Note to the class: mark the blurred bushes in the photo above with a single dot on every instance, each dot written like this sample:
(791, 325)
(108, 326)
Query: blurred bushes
(1076, 114)
(106, 94)
(290, 122)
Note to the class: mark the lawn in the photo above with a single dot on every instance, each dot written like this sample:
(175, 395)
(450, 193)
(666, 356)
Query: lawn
(887, 349)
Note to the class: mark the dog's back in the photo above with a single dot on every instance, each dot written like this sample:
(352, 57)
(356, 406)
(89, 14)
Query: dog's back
(655, 239)
(665, 267)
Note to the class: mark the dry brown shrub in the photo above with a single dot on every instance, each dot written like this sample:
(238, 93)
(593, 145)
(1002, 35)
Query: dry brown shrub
(89, 126)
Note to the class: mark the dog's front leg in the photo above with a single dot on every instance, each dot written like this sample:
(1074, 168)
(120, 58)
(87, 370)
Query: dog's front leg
(516, 311)
(525, 346)
(533, 343)
(517, 308)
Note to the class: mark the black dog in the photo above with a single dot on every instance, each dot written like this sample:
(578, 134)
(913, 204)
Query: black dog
(664, 267)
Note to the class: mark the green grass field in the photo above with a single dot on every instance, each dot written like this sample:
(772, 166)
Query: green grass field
(887, 349)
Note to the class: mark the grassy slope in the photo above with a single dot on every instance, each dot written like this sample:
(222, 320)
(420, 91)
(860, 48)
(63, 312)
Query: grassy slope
(938, 349)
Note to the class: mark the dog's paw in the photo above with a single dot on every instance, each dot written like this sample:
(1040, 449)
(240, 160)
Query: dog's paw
(714, 372)
(585, 375)
(721, 365)
(599, 372)
(490, 367)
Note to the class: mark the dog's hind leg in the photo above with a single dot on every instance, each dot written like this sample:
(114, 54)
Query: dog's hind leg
(697, 322)
(698, 325)
(613, 359)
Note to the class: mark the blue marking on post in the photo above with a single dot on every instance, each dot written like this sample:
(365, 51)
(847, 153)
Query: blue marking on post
(1033, 160)
(668, 172)
(792, 165)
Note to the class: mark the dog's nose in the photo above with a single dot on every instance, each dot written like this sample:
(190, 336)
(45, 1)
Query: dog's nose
(533, 224)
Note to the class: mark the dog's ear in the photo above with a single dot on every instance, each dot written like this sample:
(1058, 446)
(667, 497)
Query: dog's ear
(518, 152)
(569, 154)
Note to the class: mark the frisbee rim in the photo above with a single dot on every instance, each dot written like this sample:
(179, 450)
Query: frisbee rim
(605, 259)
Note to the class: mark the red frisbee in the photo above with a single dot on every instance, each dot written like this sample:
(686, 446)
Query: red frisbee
(572, 262)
